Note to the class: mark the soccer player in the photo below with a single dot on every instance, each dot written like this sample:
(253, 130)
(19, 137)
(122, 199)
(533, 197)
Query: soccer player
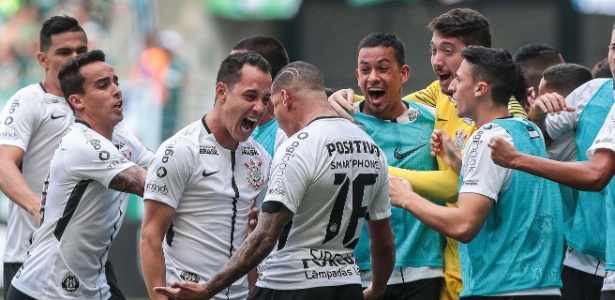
(452, 31)
(325, 178)
(498, 246)
(267, 132)
(204, 181)
(97, 163)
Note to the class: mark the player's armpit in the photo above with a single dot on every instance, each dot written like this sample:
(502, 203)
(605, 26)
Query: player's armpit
(130, 180)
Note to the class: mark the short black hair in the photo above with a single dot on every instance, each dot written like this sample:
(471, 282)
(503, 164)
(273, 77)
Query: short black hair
(56, 25)
(71, 80)
(565, 78)
(466, 24)
(534, 59)
(308, 75)
(229, 72)
(381, 39)
(496, 67)
(270, 48)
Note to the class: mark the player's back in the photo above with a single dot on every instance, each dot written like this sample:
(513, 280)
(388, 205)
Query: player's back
(330, 174)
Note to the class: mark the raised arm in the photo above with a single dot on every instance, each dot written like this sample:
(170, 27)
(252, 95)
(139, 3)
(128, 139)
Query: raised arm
(130, 180)
(253, 250)
(14, 185)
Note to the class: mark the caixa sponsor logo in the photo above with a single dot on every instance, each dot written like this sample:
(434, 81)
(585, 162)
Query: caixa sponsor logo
(9, 135)
(157, 189)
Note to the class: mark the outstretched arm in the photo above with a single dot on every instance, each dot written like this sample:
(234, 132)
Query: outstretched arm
(592, 175)
(251, 252)
(131, 180)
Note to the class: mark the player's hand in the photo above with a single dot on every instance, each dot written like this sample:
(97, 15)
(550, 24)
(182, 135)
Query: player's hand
(503, 153)
(183, 290)
(400, 191)
(342, 102)
(369, 294)
(253, 218)
(549, 103)
(442, 145)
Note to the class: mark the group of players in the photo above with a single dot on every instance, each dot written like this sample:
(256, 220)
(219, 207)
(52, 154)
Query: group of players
(316, 170)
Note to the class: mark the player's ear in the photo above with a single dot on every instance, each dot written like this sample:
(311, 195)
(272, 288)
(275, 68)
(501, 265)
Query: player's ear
(42, 60)
(76, 101)
(405, 73)
(221, 91)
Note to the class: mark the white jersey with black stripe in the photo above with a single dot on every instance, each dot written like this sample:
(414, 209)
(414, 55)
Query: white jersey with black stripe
(81, 215)
(212, 190)
(34, 121)
(330, 175)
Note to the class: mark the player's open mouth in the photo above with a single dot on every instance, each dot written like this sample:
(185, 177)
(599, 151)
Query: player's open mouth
(248, 124)
(119, 104)
(376, 94)
(444, 77)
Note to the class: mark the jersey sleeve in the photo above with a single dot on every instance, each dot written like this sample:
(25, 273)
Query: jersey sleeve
(18, 120)
(515, 108)
(605, 139)
(169, 172)
(438, 185)
(97, 159)
(141, 155)
(480, 174)
(427, 96)
(297, 171)
(562, 123)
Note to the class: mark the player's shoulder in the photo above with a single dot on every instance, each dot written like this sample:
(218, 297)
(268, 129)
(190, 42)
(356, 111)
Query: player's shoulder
(28, 95)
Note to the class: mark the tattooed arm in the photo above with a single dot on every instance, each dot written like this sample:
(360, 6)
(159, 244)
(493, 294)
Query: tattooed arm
(130, 180)
(251, 252)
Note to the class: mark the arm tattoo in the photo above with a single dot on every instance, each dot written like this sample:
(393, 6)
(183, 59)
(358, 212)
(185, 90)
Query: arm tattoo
(252, 251)
(130, 180)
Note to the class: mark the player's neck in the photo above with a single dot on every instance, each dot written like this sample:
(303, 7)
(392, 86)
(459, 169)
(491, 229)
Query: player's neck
(52, 88)
(216, 126)
(488, 115)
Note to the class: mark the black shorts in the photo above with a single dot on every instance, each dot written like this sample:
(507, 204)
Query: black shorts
(514, 298)
(580, 285)
(10, 269)
(116, 293)
(14, 294)
(424, 289)
(607, 295)
(340, 292)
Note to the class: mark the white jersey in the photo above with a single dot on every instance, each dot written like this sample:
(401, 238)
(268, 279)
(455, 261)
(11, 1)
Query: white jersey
(330, 175)
(81, 215)
(34, 121)
(212, 190)
(562, 127)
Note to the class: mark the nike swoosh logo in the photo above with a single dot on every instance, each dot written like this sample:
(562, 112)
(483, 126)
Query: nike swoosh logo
(407, 153)
(57, 117)
(205, 174)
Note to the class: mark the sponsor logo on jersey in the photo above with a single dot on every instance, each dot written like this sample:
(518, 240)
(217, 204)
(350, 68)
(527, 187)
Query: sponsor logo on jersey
(470, 182)
(161, 172)
(473, 148)
(90, 139)
(207, 174)
(53, 117)
(413, 114)
(208, 150)
(8, 121)
(9, 135)
(255, 175)
(327, 265)
(104, 155)
(460, 138)
(116, 163)
(189, 276)
(276, 188)
(361, 125)
(350, 147)
(468, 121)
(157, 189)
(249, 150)
(70, 283)
(402, 155)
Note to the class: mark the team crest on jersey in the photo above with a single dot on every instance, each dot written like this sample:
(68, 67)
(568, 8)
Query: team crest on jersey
(460, 137)
(189, 276)
(255, 176)
(468, 121)
(70, 283)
